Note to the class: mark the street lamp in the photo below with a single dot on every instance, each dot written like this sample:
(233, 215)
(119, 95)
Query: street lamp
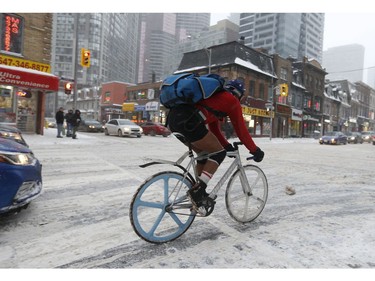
(209, 55)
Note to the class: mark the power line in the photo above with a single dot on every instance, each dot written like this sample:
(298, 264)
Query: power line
(352, 70)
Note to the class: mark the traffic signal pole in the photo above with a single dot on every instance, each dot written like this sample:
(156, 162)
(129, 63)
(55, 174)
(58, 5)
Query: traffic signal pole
(75, 60)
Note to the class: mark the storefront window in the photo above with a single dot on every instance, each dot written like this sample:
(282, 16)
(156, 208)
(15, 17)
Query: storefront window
(27, 108)
(6, 101)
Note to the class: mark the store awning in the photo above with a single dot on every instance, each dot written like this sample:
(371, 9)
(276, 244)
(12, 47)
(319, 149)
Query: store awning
(28, 78)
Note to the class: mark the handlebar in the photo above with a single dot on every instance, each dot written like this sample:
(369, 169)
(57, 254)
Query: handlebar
(236, 144)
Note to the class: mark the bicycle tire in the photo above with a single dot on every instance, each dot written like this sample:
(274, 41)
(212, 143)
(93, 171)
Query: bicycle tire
(242, 206)
(148, 209)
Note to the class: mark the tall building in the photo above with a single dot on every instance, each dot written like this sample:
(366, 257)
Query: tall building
(112, 39)
(157, 38)
(159, 35)
(222, 32)
(293, 35)
(344, 62)
(188, 24)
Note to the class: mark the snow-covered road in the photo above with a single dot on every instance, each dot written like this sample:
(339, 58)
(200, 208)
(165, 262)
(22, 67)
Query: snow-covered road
(81, 220)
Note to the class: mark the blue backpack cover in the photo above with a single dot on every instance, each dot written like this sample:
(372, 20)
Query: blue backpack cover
(189, 88)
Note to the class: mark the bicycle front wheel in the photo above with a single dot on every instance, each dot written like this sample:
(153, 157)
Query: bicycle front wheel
(245, 203)
(160, 211)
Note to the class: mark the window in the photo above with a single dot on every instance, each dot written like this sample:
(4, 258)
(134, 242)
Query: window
(284, 73)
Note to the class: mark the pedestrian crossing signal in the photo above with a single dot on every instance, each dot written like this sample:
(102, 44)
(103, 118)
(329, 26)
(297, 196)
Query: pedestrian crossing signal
(85, 57)
(68, 88)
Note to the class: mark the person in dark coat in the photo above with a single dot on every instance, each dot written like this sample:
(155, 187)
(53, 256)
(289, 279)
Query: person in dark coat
(68, 119)
(59, 121)
(76, 119)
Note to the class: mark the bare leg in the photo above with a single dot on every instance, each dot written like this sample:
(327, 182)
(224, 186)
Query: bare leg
(209, 143)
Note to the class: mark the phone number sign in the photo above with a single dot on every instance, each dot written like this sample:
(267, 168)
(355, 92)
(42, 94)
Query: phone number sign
(17, 62)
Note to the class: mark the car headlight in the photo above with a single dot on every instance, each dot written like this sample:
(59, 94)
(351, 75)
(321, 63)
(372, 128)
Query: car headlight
(91, 126)
(10, 135)
(16, 158)
(141, 130)
(126, 129)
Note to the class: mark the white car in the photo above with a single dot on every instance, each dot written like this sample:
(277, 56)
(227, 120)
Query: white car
(122, 127)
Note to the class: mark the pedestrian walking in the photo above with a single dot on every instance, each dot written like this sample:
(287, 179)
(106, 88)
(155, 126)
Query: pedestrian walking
(68, 119)
(76, 119)
(60, 121)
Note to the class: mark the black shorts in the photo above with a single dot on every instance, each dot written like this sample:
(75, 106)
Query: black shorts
(187, 120)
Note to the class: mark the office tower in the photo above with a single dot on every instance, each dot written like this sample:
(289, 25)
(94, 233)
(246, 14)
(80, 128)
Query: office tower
(112, 39)
(288, 34)
(344, 62)
(159, 35)
(188, 24)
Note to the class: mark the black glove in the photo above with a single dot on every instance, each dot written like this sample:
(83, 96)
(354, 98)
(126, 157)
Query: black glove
(258, 155)
(229, 147)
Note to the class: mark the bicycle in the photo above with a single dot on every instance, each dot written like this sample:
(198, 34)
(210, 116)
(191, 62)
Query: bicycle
(160, 211)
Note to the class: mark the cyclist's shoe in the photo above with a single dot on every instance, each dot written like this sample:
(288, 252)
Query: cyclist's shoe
(196, 195)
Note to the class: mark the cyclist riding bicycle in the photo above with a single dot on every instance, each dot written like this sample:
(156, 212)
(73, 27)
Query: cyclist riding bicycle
(199, 124)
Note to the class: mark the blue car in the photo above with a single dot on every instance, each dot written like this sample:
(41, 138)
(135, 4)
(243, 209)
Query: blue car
(20, 176)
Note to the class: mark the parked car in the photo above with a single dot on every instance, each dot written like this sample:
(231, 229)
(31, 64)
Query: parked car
(20, 176)
(90, 125)
(354, 137)
(122, 127)
(155, 128)
(50, 122)
(367, 136)
(333, 137)
(12, 133)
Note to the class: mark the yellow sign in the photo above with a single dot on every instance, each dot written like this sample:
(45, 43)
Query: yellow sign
(257, 111)
(128, 106)
(18, 62)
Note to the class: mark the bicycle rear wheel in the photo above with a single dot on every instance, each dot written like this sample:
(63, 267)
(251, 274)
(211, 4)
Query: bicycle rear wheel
(246, 205)
(160, 211)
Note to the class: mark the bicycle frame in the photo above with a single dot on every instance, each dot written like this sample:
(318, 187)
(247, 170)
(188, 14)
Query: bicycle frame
(236, 163)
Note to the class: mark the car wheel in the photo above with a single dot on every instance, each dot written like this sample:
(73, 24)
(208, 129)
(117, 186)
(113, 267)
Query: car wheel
(106, 132)
(119, 133)
(139, 136)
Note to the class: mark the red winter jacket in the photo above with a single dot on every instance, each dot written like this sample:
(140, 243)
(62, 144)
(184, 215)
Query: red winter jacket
(228, 104)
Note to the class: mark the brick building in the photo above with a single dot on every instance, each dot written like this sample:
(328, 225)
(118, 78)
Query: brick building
(25, 79)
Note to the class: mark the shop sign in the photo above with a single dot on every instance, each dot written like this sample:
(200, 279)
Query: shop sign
(128, 106)
(12, 33)
(257, 111)
(139, 107)
(152, 106)
(28, 78)
(18, 62)
(297, 115)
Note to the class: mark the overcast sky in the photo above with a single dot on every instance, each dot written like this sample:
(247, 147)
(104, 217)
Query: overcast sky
(342, 29)
(346, 22)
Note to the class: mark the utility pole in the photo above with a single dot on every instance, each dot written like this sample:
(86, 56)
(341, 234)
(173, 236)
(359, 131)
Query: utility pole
(75, 60)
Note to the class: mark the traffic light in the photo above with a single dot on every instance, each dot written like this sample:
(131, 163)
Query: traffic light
(68, 88)
(284, 90)
(85, 57)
